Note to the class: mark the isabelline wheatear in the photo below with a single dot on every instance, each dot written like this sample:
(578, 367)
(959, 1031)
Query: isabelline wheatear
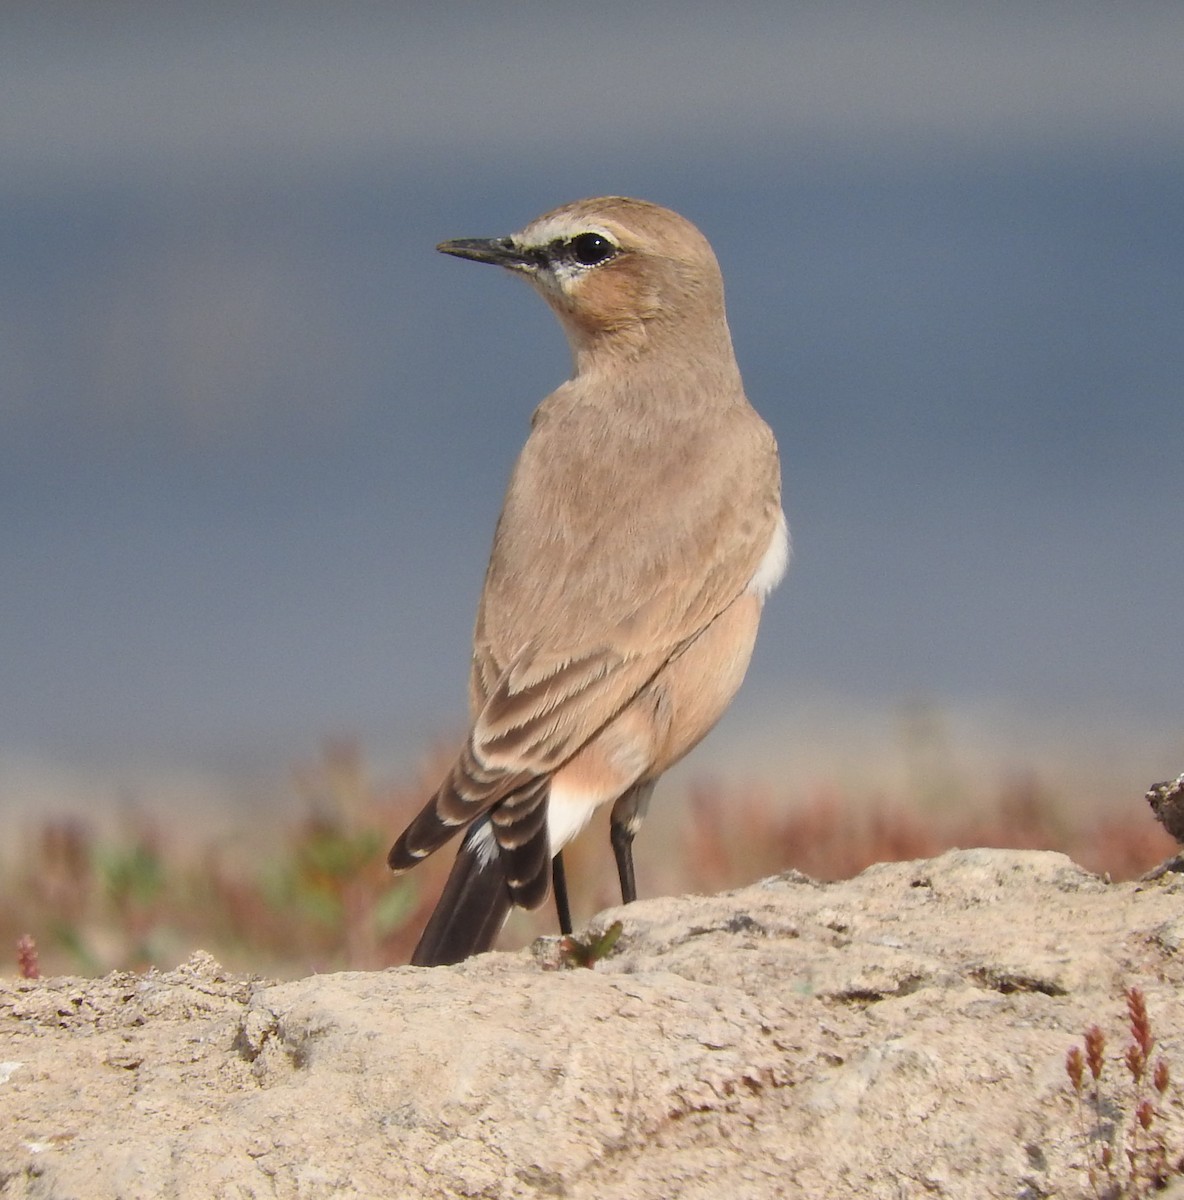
(641, 531)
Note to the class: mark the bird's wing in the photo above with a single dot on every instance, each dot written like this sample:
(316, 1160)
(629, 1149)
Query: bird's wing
(581, 609)
(585, 604)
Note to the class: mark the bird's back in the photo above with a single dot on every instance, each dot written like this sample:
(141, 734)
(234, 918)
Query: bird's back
(611, 506)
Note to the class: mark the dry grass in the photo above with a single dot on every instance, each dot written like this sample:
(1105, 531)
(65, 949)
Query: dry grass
(1120, 1124)
(319, 897)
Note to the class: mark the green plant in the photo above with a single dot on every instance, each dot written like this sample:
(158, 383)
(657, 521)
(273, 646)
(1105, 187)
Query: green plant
(576, 953)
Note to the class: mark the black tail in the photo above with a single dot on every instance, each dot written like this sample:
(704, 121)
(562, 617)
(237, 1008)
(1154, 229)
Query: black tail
(471, 910)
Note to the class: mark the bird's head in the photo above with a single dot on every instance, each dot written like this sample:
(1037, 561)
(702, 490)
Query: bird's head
(620, 274)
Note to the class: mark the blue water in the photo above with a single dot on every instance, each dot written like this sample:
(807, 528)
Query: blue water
(255, 431)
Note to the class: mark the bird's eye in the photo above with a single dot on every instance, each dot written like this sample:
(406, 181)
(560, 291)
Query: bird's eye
(591, 248)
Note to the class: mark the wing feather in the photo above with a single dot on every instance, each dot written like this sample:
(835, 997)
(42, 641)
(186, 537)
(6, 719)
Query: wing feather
(584, 604)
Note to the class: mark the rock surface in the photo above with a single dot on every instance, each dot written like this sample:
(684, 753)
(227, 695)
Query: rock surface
(899, 1034)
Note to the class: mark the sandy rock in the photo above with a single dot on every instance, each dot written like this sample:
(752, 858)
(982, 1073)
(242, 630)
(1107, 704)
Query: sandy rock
(895, 1035)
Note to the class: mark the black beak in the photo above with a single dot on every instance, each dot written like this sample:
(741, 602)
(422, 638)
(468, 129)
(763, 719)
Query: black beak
(500, 251)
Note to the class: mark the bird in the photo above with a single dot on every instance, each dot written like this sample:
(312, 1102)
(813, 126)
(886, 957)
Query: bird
(1167, 805)
(641, 531)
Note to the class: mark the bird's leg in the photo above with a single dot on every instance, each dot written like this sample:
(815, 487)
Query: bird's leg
(559, 883)
(622, 838)
(628, 813)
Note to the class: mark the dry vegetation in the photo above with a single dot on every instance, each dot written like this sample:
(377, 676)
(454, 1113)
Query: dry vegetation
(317, 896)
(1120, 1125)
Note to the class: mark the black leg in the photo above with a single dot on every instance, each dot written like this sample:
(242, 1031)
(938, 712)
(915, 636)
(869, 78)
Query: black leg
(622, 839)
(559, 883)
(628, 814)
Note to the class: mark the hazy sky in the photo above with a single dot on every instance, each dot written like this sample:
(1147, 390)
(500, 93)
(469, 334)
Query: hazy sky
(255, 431)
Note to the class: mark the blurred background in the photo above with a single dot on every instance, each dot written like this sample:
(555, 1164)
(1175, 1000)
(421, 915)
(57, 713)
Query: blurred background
(254, 431)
